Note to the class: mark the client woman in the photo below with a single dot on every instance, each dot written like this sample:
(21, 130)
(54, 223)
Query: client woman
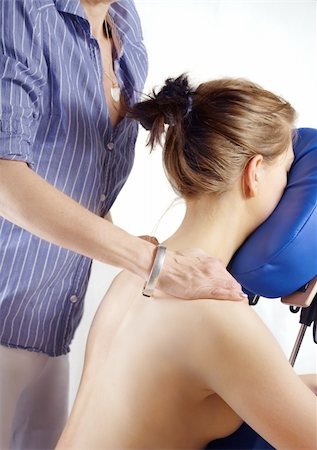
(164, 373)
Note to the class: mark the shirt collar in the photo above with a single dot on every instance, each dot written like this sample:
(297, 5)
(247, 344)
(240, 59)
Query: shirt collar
(118, 16)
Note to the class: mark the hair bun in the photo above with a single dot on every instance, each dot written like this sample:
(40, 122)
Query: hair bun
(176, 87)
(171, 105)
(175, 99)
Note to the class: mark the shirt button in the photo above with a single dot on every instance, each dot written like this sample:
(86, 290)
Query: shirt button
(110, 145)
(102, 197)
(73, 299)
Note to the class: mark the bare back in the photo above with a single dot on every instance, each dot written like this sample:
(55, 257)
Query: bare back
(160, 373)
(142, 385)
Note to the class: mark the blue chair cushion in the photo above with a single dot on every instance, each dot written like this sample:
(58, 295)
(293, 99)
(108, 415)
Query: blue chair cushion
(281, 255)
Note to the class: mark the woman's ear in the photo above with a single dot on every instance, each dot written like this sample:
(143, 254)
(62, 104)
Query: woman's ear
(251, 176)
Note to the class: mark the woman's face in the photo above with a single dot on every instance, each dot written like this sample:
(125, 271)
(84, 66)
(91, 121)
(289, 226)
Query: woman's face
(274, 181)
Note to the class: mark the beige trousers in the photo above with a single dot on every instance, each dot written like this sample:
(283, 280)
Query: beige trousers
(33, 399)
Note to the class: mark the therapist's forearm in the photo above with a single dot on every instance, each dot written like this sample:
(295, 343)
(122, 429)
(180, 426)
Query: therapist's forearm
(28, 201)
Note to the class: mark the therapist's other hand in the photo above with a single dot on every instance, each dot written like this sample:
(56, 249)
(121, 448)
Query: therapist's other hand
(192, 274)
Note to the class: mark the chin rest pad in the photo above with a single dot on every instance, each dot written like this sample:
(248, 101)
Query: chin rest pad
(281, 255)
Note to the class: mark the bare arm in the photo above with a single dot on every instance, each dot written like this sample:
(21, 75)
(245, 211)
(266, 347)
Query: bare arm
(30, 202)
(256, 380)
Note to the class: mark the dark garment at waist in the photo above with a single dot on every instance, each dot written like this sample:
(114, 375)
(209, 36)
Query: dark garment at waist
(243, 439)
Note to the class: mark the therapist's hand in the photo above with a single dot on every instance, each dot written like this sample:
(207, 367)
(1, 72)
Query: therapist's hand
(192, 274)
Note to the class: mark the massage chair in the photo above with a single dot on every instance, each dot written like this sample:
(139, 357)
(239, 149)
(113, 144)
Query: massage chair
(279, 260)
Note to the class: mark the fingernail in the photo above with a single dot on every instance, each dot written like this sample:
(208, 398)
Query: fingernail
(243, 295)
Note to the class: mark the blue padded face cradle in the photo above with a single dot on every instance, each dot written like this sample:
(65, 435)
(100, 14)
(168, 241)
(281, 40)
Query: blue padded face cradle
(281, 255)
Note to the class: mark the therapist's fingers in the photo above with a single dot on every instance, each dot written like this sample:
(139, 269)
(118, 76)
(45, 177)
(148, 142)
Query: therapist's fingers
(192, 274)
(227, 293)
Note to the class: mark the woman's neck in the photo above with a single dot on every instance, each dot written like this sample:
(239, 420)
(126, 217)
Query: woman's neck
(217, 226)
(96, 12)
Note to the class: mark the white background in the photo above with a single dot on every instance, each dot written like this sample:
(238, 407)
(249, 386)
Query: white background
(270, 42)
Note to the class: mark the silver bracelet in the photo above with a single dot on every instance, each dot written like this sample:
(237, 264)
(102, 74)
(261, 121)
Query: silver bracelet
(158, 262)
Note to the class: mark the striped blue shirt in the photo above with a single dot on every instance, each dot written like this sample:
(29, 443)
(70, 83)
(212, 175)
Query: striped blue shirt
(54, 116)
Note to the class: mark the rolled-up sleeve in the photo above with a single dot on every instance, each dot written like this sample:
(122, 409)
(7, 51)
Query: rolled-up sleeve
(22, 71)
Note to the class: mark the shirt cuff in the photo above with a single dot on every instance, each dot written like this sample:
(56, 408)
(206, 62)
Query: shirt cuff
(16, 149)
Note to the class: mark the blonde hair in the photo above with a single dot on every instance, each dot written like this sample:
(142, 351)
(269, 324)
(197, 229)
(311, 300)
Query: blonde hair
(214, 130)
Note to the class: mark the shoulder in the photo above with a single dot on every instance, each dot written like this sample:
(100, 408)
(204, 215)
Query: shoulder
(234, 326)
(127, 20)
(227, 313)
(124, 278)
(21, 25)
(24, 12)
(115, 303)
(226, 335)
(125, 284)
